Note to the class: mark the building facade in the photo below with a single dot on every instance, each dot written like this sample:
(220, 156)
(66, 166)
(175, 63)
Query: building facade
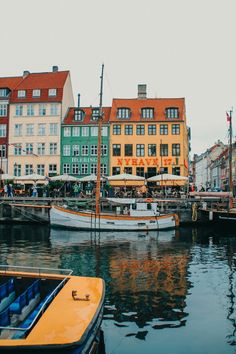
(148, 136)
(37, 105)
(79, 142)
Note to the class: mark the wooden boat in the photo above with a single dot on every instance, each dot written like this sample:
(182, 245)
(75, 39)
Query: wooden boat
(96, 220)
(136, 216)
(49, 311)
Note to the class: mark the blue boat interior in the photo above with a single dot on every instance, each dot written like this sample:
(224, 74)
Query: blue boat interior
(22, 302)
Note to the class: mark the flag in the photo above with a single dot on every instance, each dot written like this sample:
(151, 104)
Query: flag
(228, 117)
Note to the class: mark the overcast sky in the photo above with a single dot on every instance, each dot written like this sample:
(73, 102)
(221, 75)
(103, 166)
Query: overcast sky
(179, 48)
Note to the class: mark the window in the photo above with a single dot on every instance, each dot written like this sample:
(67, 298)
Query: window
(140, 150)
(116, 129)
(84, 168)
(123, 113)
(79, 114)
(85, 131)
(147, 112)
(52, 148)
(140, 129)
(128, 170)
(52, 92)
(151, 171)
(175, 129)
(52, 170)
(152, 129)
(42, 109)
(75, 131)
(104, 131)
(164, 149)
(128, 150)
(75, 168)
(84, 150)
(66, 131)
(93, 150)
(3, 130)
(3, 110)
(66, 150)
(17, 170)
(176, 171)
(128, 129)
(66, 168)
(28, 169)
(93, 168)
(54, 109)
(3, 92)
(41, 129)
(95, 114)
(94, 131)
(18, 130)
(163, 170)
(75, 150)
(152, 150)
(41, 169)
(103, 150)
(172, 112)
(164, 129)
(53, 129)
(175, 149)
(140, 171)
(30, 110)
(115, 171)
(29, 148)
(29, 129)
(41, 149)
(103, 168)
(21, 93)
(19, 110)
(36, 93)
(3, 151)
(17, 150)
(116, 149)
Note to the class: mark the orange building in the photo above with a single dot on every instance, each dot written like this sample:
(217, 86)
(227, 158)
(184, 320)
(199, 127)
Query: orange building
(148, 136)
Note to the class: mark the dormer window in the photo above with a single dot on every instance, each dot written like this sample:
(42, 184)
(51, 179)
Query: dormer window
(21, 93)
(79, 115)
(95, 114)
(147, 112)
(52, 92)
(36, 93)
(4, 92)
(123, 113)
(172, 112)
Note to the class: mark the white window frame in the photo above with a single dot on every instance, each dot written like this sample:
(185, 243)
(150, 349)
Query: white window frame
(3, 130)
(3, 110)
(75, 131)
(52, 92)
(21, 93)
(66, 131)
(36, 93)
(66, 150)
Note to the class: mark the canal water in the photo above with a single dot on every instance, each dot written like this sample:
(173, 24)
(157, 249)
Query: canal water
(166, 292)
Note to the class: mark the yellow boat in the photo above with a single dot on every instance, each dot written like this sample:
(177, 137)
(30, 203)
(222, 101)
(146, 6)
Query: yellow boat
(49, 311)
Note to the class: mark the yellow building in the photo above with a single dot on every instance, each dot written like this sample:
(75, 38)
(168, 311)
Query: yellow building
(148, 136)
(37, 107)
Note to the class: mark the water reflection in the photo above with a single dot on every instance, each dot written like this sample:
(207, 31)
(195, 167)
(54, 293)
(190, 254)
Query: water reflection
(155, 282)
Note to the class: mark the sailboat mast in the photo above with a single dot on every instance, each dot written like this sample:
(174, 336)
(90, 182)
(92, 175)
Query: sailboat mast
(98, 184)
(230, 161)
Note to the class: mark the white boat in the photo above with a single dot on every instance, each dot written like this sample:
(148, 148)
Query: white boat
(131, 217)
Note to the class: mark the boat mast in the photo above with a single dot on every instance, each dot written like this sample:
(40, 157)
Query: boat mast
(98, 184)
(230, 162)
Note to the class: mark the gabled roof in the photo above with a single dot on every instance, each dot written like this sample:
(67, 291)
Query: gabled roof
(136, 104)
(69, 118)
(10, 82)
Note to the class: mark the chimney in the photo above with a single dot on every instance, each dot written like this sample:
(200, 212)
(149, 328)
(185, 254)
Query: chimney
(25, 73)
(142, 91)
(78, 100)
(55, 68)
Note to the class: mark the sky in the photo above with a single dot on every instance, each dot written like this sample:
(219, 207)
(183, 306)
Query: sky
(179, 48)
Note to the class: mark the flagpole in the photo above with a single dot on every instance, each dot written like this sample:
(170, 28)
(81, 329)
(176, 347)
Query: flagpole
(229, 118)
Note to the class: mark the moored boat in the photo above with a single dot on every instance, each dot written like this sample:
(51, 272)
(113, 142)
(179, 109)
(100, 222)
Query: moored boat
(49, 311)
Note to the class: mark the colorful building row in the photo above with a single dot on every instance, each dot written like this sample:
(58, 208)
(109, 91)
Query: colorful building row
(42, 132)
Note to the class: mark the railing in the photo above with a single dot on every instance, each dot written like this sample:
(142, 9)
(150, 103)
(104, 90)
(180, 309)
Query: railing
(19, 269)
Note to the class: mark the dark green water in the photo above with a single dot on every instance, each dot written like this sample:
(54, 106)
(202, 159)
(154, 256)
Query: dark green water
(166, 292)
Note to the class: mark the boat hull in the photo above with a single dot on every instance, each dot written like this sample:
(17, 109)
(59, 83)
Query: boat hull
(63, 217)
(219, 216)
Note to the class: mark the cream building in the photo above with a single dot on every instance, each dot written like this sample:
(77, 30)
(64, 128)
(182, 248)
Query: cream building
(37, 107)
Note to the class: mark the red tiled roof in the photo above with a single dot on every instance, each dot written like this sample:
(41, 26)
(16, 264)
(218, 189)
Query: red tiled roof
(10, 82)
(136, 104)
(43, 82)
(69, 118)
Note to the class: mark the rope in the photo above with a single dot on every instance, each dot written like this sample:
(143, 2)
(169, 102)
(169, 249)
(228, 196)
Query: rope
(194, 211)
